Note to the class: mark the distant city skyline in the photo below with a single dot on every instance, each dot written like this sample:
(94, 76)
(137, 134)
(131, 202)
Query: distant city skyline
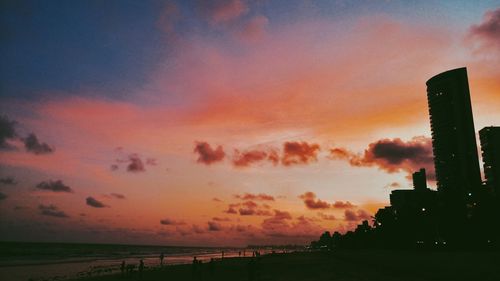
(226, 122)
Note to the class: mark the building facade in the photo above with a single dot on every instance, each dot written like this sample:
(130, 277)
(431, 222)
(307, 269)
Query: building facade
(490, 146)
(453, 135)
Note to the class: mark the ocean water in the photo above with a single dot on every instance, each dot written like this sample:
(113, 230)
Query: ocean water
(58, 261)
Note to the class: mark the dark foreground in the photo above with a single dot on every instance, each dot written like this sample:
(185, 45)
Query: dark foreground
(345, 265)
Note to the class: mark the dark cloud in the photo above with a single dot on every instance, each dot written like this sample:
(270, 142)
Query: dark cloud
(254, 212)
(118, 195)
(115, 196)
(310, 201)
(52, 211)
(327, 217)
(214, 226)
(299, 153)
(135, 164)
(359, 215)
(3, 196)
(207, 155)
(55, 186)
(32, 144)
(393, 155)
(171, 222)
(260, 196)
(92, 202)
(216, 199)
(7, 132)
(342, 205)
(487, 33)
(8, 181)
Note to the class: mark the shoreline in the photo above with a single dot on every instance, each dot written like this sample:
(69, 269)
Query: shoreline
(339, 265)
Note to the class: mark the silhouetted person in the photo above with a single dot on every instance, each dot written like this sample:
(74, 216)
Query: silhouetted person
(162, 256)
(239, 254)
(222, 254)
(122, 268)
(194, 267)
(141, 267)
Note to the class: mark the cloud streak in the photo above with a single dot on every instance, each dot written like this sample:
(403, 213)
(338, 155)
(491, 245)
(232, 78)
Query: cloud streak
(55, 186)
(8, 181)
(250, 196)
(51, 211)
(168, 221)
(92, 202)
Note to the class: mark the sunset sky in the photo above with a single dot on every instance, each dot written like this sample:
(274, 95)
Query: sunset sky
(224, 123)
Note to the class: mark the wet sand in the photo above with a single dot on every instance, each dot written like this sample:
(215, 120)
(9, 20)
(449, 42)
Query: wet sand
(344, 265)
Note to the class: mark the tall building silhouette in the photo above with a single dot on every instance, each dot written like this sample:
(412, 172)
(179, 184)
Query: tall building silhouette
(453, 135)
(490, 146)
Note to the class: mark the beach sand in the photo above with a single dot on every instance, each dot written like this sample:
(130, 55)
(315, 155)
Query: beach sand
(342, 265)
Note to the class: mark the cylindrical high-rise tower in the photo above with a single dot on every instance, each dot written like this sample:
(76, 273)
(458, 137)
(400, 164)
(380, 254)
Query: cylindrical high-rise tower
(453, 135)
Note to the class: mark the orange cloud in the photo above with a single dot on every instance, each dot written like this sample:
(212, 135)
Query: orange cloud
(311, 202)
(260, 196)
(299, 153)
(246, 158)
(207, 155)
(355, 216)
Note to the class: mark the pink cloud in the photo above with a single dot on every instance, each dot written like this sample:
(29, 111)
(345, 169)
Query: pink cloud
(487, 33)
(222, 11)
(254, 29)
(208, 155)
